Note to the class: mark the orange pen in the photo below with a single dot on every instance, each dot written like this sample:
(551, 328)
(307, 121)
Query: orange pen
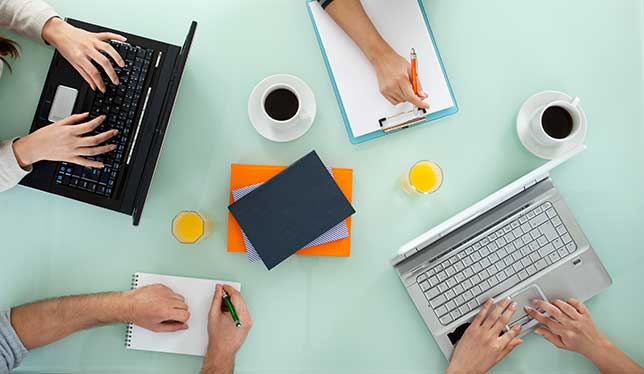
(414, 72)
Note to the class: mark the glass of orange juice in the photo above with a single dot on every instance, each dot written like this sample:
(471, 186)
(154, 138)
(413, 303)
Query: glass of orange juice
(423, 178)
(190, 227)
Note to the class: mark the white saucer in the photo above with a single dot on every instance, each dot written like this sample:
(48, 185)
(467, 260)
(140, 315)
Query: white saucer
(523, 121)
(262, 124)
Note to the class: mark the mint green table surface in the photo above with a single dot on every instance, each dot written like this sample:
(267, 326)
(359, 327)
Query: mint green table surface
(340, 315)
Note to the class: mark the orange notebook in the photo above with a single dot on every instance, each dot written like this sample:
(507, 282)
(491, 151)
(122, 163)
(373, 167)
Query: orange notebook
(246, 175)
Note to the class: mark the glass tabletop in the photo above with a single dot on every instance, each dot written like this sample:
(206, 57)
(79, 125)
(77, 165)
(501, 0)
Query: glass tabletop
(339, 315)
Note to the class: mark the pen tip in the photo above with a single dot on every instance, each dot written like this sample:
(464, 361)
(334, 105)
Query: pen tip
(413, 50)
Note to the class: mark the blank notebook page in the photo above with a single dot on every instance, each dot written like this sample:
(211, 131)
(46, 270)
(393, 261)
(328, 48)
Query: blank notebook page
(198, 294)
(402, 25)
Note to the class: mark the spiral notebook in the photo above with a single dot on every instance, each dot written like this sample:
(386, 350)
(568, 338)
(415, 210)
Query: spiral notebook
(198, 294)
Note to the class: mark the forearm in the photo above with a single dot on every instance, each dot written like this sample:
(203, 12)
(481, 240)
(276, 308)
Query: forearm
(215, 363)
(611, 360)
(44, 322)
(352, 18)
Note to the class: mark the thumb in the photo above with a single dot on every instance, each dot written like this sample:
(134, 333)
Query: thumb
(513, 344)
(421, 93)
(217, 299)
(411, 97)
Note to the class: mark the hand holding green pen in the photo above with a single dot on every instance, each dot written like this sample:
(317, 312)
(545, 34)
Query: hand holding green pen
(226, 333)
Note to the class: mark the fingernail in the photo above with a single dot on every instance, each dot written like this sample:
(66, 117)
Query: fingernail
(538, 332)
(513, 305)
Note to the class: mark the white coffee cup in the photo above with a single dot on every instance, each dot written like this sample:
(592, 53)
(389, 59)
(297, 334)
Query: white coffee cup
(285, 124)
(540, 135)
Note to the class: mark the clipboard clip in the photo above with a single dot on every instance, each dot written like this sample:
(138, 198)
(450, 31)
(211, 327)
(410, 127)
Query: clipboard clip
(402, 120)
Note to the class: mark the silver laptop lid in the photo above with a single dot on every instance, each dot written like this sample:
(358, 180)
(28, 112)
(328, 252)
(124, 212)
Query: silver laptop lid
(481, 207)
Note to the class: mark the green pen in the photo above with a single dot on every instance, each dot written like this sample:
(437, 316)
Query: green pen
(231, 309)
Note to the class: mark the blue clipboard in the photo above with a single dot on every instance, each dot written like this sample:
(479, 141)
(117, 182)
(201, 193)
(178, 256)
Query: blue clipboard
(377, 134)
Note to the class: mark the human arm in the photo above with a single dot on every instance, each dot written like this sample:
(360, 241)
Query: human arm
(571, 327)
(481, 347)
(224, 338)
(392, 70)
(39, 21)
(65, 140)
(153, 307)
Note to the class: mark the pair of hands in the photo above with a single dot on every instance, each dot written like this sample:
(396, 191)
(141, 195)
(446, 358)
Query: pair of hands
(158, 308)
(65, 140)
(569, 326)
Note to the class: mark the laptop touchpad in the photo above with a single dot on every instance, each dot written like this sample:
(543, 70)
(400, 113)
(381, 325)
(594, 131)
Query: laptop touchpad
(63, 104)
(524, 298)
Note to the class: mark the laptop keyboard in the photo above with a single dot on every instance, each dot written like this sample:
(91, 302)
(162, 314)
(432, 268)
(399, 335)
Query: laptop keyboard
(120, 104)
(505, 256)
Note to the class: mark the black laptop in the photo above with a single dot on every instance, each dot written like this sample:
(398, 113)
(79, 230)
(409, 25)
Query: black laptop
(139, 107)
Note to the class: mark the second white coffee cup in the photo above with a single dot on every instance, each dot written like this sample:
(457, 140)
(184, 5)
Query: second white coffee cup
(539, 134)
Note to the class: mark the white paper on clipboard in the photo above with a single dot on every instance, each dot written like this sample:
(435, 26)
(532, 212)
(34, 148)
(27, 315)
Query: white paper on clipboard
(402, 25)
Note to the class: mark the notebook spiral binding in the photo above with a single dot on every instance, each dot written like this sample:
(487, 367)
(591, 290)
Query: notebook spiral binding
(130, 326)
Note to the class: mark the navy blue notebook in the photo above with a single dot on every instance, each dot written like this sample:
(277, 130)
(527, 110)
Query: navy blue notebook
(291, 209)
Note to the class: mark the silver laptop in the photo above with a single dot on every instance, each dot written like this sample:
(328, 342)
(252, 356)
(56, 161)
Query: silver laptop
(522, 241)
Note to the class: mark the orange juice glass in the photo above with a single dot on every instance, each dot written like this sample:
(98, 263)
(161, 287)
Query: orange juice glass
(190, 227)
(423, 178)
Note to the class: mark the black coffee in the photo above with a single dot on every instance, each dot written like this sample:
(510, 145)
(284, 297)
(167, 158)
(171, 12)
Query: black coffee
(557, 122)
(281, 104)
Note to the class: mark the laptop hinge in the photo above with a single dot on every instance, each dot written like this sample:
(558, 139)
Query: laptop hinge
(473, 216)
(476, 210)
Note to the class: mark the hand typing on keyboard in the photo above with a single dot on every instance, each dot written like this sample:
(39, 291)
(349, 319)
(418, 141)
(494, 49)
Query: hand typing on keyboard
(83, 49)
(570, 326)
(64, 141)
(481, 347)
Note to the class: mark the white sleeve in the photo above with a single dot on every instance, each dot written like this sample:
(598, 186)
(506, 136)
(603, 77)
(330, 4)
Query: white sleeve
(10, 171)
(25, 17)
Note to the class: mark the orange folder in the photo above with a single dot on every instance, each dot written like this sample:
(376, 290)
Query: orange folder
(246, 175)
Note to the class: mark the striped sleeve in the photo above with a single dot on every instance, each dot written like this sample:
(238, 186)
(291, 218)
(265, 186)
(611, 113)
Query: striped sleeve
(325, 3)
